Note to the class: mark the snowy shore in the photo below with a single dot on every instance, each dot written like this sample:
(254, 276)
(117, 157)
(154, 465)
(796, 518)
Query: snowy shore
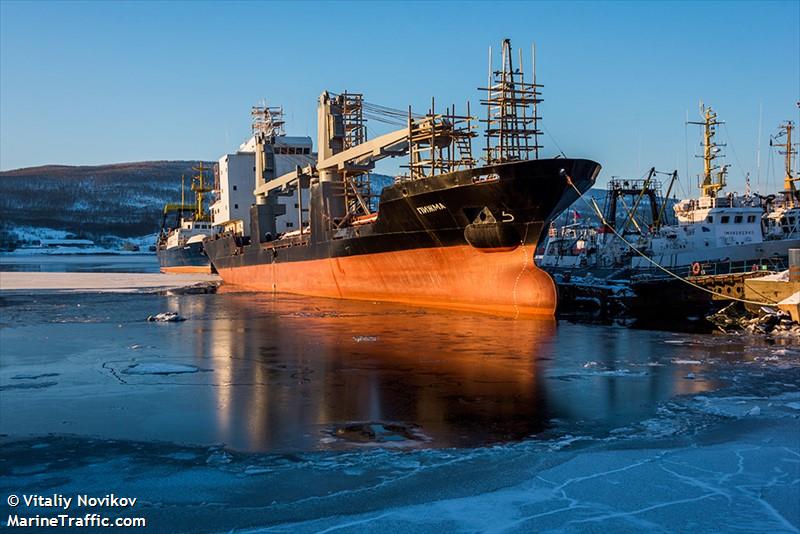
(27, 282)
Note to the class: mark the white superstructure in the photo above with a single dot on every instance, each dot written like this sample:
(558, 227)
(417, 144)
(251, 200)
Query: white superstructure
(238, 177)
(710, 229)
(231, 210)
(188, 232)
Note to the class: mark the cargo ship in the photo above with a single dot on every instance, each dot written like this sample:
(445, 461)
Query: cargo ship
(183, 228)
(453, 232)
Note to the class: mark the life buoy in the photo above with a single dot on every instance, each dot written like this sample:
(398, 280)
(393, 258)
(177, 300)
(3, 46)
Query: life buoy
(754, 268)
(696, 268)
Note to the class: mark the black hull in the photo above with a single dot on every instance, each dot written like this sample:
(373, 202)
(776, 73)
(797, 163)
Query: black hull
(517, 200)
(189, 258)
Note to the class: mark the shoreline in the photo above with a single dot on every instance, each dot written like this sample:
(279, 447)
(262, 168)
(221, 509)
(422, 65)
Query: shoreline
(15, 282)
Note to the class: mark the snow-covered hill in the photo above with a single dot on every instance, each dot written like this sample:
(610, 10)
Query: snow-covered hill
(123, 200)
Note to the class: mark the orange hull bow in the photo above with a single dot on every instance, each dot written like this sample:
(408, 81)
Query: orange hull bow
(458, 277)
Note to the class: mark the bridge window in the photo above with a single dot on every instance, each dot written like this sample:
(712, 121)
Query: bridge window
(737, 219)
(725, 219)
(710, 218)
(751, 218)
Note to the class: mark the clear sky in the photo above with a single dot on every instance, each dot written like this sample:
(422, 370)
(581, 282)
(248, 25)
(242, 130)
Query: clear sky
(104, 82)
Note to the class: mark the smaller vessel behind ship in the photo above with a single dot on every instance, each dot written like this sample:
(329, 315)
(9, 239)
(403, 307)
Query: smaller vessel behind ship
(180, 245)
(718, 239)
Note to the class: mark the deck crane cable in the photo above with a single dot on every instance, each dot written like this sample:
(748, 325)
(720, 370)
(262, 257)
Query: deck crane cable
(553, 139)
(596, 209)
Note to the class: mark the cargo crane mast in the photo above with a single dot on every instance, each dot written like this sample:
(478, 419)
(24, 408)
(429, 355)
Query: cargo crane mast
(511, 135)
(713, 178)
(436, 143)
(787, 149)
(439, 143)
(355, 178)
(268, 123)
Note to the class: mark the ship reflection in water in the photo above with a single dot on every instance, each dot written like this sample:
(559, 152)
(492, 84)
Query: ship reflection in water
(323, 368)
(285, 373)
(294, 373)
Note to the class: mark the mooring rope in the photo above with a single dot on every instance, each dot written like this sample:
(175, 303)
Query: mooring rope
(596, 209)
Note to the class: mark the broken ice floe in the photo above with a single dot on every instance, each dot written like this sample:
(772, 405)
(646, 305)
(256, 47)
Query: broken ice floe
(29, 385)
(159, 368)
(219, 457)
(166, 317)
(767, 320)
(377, 434)
(32, 376)
(593, 369)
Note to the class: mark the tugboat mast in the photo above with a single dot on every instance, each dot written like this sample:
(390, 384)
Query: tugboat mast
(712, 181)
(787, 149)
(200, 189)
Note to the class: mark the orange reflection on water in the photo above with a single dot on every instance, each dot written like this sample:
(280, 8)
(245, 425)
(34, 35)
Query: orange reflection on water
(292, 368)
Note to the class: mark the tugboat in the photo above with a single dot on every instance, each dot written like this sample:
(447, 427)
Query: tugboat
(180, 244)
(724, 233)
(783, 215)
(718, 242)
(451, 233)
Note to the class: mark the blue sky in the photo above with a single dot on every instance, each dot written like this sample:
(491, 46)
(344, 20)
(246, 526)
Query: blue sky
(94, 82)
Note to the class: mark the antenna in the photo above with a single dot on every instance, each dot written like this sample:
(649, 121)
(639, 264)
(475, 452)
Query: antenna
(712, 181)
(758, 147)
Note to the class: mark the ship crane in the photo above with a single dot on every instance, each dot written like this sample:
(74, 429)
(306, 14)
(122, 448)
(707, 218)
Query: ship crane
(435, 143)
(363, 155)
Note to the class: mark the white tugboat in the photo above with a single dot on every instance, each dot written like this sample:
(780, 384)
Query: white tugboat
(783, 219)
(722, 233)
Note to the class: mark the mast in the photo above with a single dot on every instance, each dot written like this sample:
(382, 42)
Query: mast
(788, 150)
(713, 178)
(512, 134)
(200, 189)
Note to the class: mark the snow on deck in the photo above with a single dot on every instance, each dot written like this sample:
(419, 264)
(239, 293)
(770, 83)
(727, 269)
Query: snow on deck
(100, 282)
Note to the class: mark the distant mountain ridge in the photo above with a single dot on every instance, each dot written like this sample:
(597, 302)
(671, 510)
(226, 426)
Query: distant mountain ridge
(121, 199)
